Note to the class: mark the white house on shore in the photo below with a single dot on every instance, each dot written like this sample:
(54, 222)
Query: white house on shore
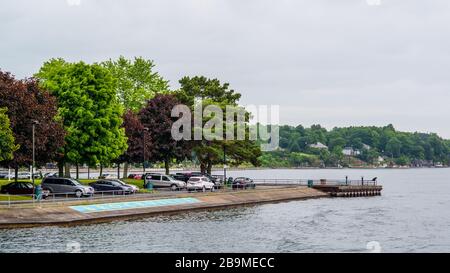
(349, 151)
(318, 145)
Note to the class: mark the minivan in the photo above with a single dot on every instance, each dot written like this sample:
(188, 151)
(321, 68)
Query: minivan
(164, 181)
(58, 185)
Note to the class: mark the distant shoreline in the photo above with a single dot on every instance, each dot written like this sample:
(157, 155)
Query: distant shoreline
(137, 170)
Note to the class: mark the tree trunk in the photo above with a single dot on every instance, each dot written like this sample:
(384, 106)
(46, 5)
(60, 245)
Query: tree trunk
(101, 169)
(202, 167)
(209, 168)
(78, 171)
(125, 170)
(166, 165)
(67, 170)
(89, 172)
(16, 173)
(118, 170)
(60, 168)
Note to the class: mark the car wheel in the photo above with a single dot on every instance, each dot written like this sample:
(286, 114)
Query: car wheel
(78, 193)
(174, 187)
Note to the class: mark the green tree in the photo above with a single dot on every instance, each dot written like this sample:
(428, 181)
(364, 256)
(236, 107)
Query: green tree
(384, 141)
(210, 152)
(89, 110)
(393, 147)
(7, 145)
(200, 87)
(136, 81)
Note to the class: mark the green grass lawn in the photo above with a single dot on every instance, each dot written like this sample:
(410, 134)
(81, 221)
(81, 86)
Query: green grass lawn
(14, 198)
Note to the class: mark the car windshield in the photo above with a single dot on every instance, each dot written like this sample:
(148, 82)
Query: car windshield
(75, 182)
(194, 179)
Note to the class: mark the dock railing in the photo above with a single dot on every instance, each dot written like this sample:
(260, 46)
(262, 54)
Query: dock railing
(315, 182)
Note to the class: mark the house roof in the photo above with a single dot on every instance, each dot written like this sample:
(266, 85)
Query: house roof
(318, 145)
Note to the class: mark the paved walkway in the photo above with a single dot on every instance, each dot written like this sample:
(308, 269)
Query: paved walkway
(82, 213)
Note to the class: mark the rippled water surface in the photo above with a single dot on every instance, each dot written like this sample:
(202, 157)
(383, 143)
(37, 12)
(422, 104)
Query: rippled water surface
(412, 215)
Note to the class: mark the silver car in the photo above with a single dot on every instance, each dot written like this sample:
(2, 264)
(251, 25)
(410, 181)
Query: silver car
(164, 181)
(58, 185)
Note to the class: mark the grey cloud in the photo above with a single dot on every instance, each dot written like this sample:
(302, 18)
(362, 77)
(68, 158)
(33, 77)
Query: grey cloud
(323, 61)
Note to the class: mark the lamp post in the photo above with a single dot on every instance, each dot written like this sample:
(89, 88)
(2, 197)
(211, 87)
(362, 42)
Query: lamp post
(34, 123)
(224, 164)
(143, 150)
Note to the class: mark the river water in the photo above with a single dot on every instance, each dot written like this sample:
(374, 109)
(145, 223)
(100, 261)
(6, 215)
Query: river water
(412, 215)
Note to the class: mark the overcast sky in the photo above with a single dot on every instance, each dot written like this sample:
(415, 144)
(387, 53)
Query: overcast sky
(332, 62)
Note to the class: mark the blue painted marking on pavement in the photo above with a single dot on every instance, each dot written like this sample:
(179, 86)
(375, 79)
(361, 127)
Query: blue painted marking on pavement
(134, 205)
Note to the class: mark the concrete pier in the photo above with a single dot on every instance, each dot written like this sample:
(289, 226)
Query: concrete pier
(63, 214)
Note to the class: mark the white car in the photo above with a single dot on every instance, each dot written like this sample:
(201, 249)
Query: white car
(200, 183)
(23, 175)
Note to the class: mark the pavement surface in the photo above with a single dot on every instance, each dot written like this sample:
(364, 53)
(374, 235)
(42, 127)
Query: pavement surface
(144, 206)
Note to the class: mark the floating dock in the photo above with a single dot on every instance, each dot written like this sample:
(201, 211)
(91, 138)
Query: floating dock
(350, 191)
(335, 188)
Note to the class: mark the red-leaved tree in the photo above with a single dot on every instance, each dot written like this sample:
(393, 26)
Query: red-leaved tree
(27, 102)
(156, 116)
(136, 134)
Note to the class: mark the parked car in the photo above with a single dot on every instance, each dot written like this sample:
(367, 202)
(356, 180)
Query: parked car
(135, 176)
(51, 174)
(134, 188)
(200, 183)
(27, 175)
(111, 187)
(185, 177)
(215, 179)
(243, 183)
(59, 185)
(3, 175)
(181, 176)
(164, 181)
(107, 176)
(9, 176)
(23, 175)
(21, 188)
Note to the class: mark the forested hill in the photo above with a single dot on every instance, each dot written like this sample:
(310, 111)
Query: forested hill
(317, 146)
